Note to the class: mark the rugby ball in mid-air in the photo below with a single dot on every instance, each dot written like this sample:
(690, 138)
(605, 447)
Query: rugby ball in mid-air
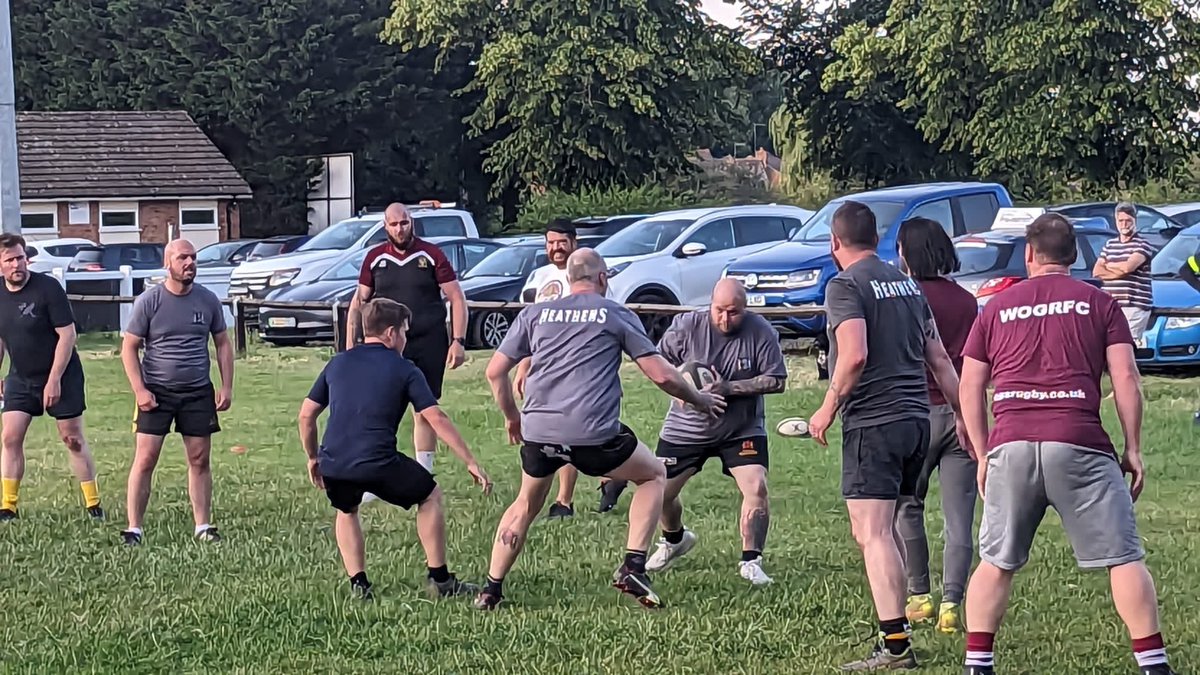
(698, 374)
(792, 427)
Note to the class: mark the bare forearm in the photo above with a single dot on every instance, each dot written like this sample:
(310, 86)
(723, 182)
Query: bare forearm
(755, 386)
(974, 413)
(133, 368)
(502, 392)
(843, 381)
(308, 436)
(458, 317)
(448, 433)
(352, 318)
(947, 381)
(679, 388)
(62, 354)
(225, 365)
(1128, 397)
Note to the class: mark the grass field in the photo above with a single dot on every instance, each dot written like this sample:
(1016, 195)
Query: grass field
(273, 597)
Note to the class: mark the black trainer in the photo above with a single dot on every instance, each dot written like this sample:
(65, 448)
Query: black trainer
(610, 494)
(637, 585)
(561, 510)
(96, 512)
(450, 587)
(131, 538)
(1159, 669)
(881, 658)
(361, 590)
(487, 601)
(7, 515)
(978, 670)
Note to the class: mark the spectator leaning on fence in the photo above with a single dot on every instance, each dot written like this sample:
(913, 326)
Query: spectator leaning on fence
(1124, 267)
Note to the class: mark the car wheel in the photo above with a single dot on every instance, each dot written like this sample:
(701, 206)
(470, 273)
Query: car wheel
(493, 326)
(655, 324)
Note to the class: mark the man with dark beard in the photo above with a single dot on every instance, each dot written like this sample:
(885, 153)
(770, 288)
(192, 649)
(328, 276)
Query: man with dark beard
(415, 273)
(171, 382)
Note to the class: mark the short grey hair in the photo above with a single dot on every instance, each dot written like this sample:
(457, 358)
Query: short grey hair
(1127, 208)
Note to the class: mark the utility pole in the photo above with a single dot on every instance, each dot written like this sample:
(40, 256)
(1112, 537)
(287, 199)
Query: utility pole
(10, 181)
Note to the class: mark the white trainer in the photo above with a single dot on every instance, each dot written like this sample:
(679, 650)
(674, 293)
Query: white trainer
(753, 572)
(667, 553)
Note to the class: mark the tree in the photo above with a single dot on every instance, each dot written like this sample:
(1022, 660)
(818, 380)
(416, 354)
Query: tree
(1098, 90)
(574, 94)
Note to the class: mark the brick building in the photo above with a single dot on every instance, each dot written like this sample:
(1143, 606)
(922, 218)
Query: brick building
(123, 177)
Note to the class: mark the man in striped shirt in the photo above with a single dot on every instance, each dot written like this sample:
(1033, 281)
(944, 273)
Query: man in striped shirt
(1124, 267)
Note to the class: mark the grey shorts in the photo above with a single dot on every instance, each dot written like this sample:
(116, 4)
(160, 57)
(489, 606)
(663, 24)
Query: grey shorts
(1084, 486)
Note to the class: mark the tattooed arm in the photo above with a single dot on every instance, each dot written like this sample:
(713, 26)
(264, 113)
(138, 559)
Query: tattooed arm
(844, 311)
(763, 384)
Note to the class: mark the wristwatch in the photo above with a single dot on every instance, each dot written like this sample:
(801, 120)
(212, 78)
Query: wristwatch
(461, 341)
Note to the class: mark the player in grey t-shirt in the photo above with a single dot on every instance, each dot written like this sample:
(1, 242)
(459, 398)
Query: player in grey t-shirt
(882, 334)
(173, 322)
(743, 349)
(572, 415)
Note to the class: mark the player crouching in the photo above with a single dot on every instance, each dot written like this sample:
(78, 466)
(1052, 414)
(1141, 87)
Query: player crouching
(367, 390)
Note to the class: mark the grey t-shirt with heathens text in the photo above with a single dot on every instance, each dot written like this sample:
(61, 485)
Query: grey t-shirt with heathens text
(175, 330)
(892, 386)
(573, 389)
(752, 350)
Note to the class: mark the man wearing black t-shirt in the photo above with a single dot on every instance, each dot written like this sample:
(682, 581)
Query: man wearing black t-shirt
(415, 273)
(367, 390)
(37, 331)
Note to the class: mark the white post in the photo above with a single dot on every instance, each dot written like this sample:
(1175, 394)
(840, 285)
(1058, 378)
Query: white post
(10, 183)
(60, 274)
(126, 289)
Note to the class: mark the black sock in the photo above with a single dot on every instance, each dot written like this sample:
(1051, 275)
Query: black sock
(747, 556)
(895, 635)
(673, 537)
(359, 579)
(439, 574)
(635, 561)
(493, 586)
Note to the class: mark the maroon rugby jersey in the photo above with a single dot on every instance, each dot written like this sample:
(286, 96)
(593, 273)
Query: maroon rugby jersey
(412, 277)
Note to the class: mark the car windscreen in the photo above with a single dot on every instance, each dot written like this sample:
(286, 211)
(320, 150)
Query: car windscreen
(1166, 263)
(347, 269)
(644, 238)
(511, 261)
(339, 237)
(817, 228)
(977, 256)
(441, 226)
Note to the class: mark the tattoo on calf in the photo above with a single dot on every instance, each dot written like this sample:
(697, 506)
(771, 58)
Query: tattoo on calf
(756, 526)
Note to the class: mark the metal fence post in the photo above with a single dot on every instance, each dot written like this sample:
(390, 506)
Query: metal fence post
(239, 326)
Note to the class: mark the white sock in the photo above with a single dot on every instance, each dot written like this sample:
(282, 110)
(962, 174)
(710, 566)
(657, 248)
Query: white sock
(425, 459)
(135, 530)
(201, 528)
(367, 498)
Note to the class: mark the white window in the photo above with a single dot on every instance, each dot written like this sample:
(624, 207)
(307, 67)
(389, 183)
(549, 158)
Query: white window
(39, 218)
(119, 216)
(197, 216)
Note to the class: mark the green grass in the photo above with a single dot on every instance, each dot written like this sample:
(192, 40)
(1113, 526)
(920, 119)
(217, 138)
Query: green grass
(273, 597)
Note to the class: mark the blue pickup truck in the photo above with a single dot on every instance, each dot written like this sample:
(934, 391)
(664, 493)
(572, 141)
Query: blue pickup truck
(795, 273)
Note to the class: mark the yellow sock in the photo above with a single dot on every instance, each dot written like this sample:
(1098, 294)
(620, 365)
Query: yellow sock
(91, 493)
(12, 486)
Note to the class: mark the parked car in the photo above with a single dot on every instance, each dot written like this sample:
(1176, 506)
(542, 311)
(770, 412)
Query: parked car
(1155, 226)
(260, 278)
(993, 261)
(1186, 214)
(795, 274)
(225, 253)
(288, 326)
(676, 257)
(110, 257)
(273, 246)
(1172, 341)
(499, 278)
(605, 226)
(49, 254)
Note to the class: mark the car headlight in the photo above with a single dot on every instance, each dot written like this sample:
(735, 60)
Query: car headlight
(803, 279)
(1179, 322)
(282, 277)
(617, 269)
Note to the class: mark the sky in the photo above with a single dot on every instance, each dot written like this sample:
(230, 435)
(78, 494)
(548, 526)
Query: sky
(722, 11)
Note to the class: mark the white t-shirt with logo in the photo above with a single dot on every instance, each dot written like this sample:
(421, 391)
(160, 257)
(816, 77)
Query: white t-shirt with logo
(549, 283)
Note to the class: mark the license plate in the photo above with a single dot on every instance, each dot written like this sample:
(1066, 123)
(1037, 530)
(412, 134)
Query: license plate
(1141, 342)
(281, 322)
(756, 300)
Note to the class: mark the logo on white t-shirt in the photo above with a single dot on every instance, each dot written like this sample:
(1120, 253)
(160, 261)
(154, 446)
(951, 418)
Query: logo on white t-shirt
(551, 290)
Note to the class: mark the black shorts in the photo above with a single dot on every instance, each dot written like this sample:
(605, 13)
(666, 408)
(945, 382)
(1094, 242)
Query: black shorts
(23, 394)
(543, 459)
(679, 458)
(403, 482)
(193, 411)
(428, 353)
(884, 461)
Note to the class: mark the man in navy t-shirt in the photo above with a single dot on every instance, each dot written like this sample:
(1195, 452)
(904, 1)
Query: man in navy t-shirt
(367, 389)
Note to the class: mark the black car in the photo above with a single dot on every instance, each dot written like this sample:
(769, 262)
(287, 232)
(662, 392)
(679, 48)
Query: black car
(268, 248)
(499, 278)
(288, 326)
(1155, 226)
(110, 257)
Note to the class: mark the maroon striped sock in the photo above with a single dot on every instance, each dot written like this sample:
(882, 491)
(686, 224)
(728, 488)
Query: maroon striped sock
(1150, 651)
(979, 649)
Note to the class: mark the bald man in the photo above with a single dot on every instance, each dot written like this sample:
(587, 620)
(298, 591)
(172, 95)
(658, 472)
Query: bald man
(172, 322)
(743, 350)
(416, 274)
(572, 415)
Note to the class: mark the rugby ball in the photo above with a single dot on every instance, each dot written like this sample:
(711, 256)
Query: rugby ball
(698, 374)
(792, 427)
